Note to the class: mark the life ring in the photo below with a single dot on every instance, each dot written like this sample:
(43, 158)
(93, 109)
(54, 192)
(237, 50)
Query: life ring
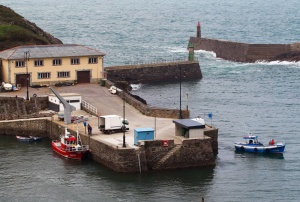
(242, 148)
(34, 95)
(255, 149)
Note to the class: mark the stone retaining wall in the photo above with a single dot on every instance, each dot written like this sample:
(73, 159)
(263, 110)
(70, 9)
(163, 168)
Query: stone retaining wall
(19, 108)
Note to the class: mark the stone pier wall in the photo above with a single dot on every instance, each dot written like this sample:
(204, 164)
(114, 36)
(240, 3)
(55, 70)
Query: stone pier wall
(213, 134)
(192, 153)
(242, 52)
(159, 72)
(25, 127)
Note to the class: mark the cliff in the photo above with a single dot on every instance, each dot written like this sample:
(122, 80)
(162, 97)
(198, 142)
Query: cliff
(15, 30)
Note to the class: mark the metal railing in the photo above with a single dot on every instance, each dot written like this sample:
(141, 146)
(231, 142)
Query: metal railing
(89, 107)
(156, 61)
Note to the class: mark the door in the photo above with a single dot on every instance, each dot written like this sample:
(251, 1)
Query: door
(21, 79)
(83, 77)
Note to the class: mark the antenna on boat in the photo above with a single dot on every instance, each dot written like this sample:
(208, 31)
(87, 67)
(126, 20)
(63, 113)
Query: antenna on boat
(77, 134)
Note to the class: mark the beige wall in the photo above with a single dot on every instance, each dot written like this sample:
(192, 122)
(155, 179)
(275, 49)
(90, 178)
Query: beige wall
(5, 65)
(10, 76)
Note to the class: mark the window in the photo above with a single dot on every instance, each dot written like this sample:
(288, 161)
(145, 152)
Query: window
(63, 74)
(74, 101)
(75, 61)
(56, 62)
(38, 63)
(44, 75)
(20, 63)
(93, 60)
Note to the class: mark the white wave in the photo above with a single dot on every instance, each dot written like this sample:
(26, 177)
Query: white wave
(211, 53)
(178, 50)
(277, 62)
(136, 86)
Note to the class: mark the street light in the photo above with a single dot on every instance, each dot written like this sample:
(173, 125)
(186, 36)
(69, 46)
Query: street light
(26, 58)
(124, 127)
(122, 84)
(180, 112)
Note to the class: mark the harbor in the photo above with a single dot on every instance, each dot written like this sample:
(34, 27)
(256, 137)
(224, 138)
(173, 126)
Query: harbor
(108, 149)
(261, 98)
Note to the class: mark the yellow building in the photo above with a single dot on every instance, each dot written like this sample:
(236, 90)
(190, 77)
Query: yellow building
(51, 64)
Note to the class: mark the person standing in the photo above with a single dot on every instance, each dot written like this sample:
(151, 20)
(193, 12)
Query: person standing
(89, 129)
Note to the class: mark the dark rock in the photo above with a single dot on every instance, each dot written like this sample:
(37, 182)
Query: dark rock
(292, 56)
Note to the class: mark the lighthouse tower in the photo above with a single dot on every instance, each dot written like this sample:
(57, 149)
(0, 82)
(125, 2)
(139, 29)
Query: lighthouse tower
(198, 30)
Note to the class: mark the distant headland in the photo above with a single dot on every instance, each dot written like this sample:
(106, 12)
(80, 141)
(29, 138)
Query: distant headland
(15, 30)
(243, 52)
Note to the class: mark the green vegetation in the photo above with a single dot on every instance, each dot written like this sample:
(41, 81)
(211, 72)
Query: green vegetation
(13, 35)
(17, 31)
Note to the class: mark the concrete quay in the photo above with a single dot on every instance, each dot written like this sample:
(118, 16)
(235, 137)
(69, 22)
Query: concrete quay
(107, 149)
(106, 104)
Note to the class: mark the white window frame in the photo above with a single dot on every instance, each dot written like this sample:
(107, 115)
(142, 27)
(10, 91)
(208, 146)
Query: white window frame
(38, 63)
(43, 75)
(56, 62)
(63, 74)
(75, 61)
(93, 60)
(20, 63)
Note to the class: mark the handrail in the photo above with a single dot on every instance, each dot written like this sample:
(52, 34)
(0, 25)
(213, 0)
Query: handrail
(89, 107)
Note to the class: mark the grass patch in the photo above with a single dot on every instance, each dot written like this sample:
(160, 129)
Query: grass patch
(16, 31)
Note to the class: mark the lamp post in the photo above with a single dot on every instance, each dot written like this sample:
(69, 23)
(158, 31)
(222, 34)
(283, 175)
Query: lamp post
(124, 127)
(122, 84)
(180, 112)
(26, 58)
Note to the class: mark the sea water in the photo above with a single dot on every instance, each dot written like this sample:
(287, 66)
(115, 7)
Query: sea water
(261, 98)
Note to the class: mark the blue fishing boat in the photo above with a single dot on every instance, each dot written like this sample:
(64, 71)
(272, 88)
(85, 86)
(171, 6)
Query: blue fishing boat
(252, 145)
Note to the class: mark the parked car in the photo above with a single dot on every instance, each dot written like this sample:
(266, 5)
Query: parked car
(61, 117)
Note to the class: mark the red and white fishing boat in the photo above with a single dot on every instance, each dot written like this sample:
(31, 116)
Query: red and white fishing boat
(70, 146)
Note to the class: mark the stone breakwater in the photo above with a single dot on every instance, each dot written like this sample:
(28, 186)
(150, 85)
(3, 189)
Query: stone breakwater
(151, 73)
(243, 52)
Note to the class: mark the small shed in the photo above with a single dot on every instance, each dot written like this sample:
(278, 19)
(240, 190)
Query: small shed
(73, 99)
(143, 134)
(189, 128)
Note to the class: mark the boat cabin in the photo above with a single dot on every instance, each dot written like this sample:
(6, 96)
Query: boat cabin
(251, 139)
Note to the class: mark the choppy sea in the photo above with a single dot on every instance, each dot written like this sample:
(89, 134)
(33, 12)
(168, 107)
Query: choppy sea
(261, 98)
